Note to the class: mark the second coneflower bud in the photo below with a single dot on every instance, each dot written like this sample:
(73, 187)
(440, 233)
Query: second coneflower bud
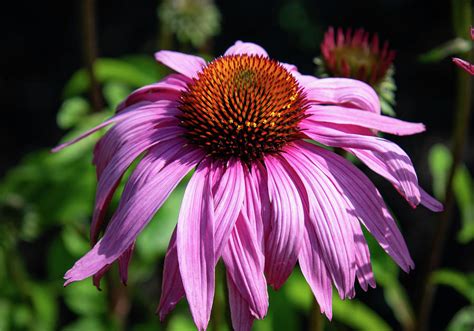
(358, 55)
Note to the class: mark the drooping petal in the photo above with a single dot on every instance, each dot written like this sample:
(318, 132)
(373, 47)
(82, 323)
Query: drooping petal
(350, 116)
(124, 261)
(367, 203)
(110, 177)
(228, 197)
(376, 164)
(229, 192)
(244, 262)
(328, 222)
(172, 289)
(169, 88)
(283, 240)
(364, 272)
(371, 150)
(146, 118)
(245, 48)
(429, 202)
(257, 202)
(149, 186)
(195, 245)
(314, 270)
(463, 64)
(343, 91)
(188, 65)
(242, 319)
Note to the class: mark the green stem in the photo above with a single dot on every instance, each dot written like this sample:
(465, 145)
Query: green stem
(90, 51)
(462, 18)
(316, 318)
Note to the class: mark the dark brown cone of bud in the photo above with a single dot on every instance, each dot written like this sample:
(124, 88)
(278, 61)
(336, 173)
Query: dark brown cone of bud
(242, 106)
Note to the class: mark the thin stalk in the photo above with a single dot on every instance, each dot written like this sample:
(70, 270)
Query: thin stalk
(462, 16)
(89, 48)
(316, 318)
(219, 307)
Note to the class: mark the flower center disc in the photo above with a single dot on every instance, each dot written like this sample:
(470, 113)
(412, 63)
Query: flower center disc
(242, 106)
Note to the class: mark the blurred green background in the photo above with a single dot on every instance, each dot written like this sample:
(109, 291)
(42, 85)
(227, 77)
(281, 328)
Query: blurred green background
(46, 199)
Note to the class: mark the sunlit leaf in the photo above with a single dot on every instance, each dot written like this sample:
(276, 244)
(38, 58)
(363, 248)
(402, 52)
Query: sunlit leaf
(181, 323)
(357, 315)
(463, 184)
(45, 306)
(463, 283)
(440, 160)
(463, 320)
(114, 93)
(87, 323)
(84, 299)
(72, 111)
(107, 70)
(450, 48)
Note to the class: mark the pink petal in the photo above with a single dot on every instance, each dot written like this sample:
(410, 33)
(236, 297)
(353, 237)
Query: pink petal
(146, 190)
(314, 270)
(429, 202)
(242, 319)
(364, 273)
(376, 164)
(228, 197)
(246, 48)
(169, 88)
(116, 167)
(124, 261)
(172, 289)
(366, 202)
(188, 65)
(195, 245)
(350, 116)
(328, 222)
(468, 67)
(343, 91)
(229, 192)
(372, 150)
(244, 262)
(283, 240)
(256, 202)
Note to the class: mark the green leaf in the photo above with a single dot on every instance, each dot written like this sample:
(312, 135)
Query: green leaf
(84, 299)
(45, 306)
(440, 160)
(154, 239)
(463, 320)
(298, 291)
(180, 323)
(357, 315)
(86, 323)
(463, 185)
(114, 93)
(461, 282)
(107, 70)
(5, 313)
(72, 111)
(74, 242)
(450, 48)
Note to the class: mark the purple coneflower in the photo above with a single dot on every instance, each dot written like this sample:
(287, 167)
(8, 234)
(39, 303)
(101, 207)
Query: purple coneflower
(263, 196)
(468, 67)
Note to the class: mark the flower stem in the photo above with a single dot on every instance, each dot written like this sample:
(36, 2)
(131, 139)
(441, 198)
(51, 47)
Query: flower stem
(89, 47)
(462, 18)
(316, 318)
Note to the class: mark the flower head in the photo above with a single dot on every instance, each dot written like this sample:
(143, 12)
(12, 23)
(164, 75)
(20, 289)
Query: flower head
(262, 197)
(468, 67)
(355, 55)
